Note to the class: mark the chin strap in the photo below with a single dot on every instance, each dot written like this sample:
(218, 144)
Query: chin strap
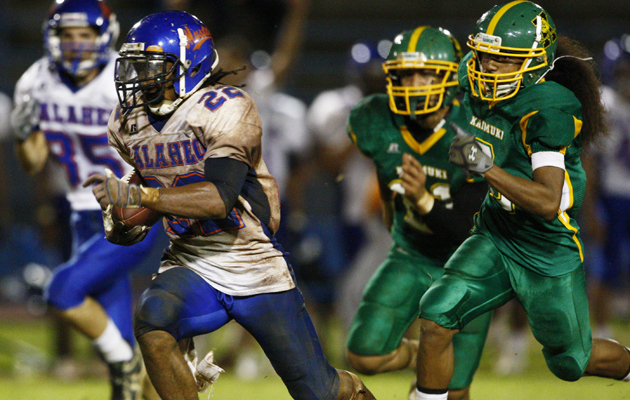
(165, 107)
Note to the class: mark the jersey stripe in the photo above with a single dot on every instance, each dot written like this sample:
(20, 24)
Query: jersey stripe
(578, 126)
(564, 218)
(523, 125)
(423, 147)
(499, 14)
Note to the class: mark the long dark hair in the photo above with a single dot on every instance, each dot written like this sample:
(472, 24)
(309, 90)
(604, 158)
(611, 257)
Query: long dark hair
(580, 77)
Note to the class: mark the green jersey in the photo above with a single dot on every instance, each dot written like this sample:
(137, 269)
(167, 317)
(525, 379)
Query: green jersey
(545, 117)
(382, 136)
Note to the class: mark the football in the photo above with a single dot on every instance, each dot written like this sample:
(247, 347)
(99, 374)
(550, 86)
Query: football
(136, 216)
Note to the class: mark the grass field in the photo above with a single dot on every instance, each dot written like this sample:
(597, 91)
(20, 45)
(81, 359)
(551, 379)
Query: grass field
(25, 353)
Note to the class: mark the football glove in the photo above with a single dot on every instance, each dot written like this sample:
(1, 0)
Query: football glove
(466, 152)
(25, 118)
(119, 233)
(114, 191)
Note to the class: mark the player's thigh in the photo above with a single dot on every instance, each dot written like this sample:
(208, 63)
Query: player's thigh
(182, 303)
(390, 302)
(468, 347)
(557, 310)
(281, 325)
(475, 281)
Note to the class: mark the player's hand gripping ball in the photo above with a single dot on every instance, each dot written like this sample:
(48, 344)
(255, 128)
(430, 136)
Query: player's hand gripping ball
(125, 197)
(466, 152)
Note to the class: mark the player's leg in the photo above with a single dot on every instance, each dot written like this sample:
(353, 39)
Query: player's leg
(97, 273)
(468, 346)
(474, 283)
(92, 292)
(284, 330)
(557, 308)
(390, 304)
(178, 304)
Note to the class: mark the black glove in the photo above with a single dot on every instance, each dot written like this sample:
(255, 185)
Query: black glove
(466, 152)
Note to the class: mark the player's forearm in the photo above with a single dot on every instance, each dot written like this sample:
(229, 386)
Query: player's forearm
(540, 197)
(32, 153)
(197, 200)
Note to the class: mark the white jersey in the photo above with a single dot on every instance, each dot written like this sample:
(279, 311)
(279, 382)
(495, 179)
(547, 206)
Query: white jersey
(614, 172)
(284, 123)
(236, 255)
(74, 121)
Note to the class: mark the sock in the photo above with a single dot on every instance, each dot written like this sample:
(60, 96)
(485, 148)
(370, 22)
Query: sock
(112, 345)
(434, 396)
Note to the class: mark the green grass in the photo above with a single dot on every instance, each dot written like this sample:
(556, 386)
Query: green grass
(25, 350)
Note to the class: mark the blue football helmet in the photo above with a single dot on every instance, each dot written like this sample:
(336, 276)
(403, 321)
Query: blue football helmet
(168, 48)
(80, 13)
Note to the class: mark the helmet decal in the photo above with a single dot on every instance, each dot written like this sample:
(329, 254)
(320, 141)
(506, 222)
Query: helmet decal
(548, 32)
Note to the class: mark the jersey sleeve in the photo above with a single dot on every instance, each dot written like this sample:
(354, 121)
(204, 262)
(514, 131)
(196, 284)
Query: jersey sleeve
(357, 127)
(549, 130)
(232, 129)
(114, 138)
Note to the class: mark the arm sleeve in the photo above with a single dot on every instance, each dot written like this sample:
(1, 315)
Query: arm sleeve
(455, 224)
(228, 175)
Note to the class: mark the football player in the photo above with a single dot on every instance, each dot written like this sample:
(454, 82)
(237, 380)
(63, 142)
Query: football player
(531, 105)
(428, 202)
(197, 142)
(62, 104)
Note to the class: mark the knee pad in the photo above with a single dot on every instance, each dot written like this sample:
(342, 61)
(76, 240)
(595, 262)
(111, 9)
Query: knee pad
(565, 367)
(442, 302)
(157, 310)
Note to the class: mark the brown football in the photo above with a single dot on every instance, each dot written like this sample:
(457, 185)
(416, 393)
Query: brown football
(136, 216)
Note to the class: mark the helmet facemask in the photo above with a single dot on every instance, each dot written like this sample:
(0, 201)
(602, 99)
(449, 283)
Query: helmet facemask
(419, 100)
(500, 86)
(143, 77)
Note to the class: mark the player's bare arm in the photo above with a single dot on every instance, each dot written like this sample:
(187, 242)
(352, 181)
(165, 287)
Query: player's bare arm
(32, 152)
(199, 200)
(540, 197)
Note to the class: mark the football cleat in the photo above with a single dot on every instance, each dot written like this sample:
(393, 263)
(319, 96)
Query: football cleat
(126, 378)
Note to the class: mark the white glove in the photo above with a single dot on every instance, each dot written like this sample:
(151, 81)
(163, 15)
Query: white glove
(25, 117)
(466, 152)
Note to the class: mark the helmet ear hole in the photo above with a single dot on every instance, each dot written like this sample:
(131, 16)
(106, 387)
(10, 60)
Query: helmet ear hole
(195, 70)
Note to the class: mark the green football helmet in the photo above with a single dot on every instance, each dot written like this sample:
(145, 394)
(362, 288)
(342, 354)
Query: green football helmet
(518, 29)
(424, 48)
